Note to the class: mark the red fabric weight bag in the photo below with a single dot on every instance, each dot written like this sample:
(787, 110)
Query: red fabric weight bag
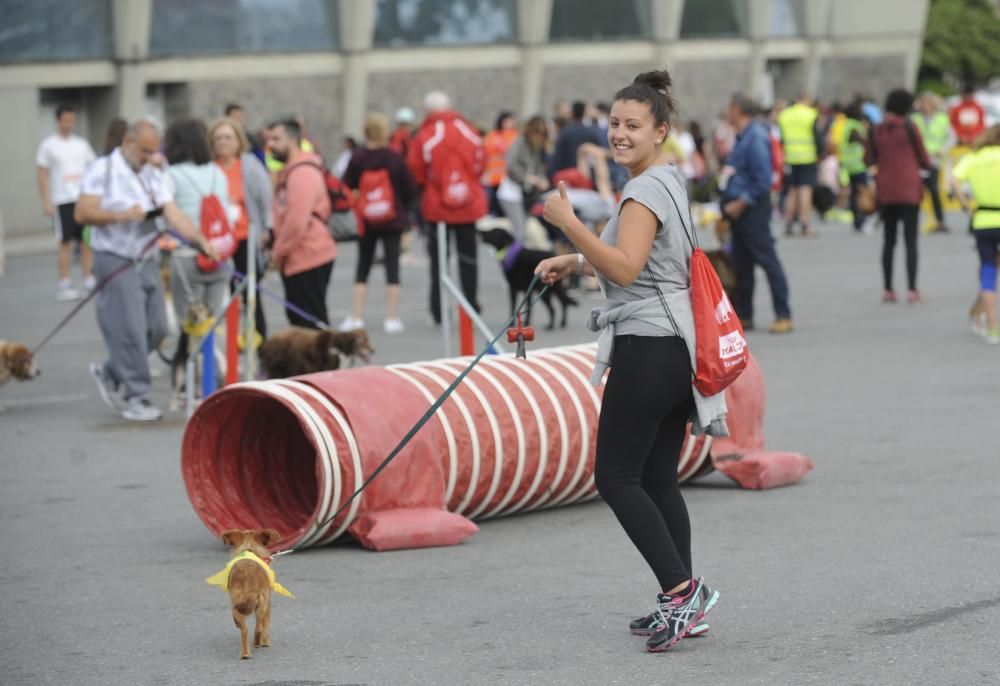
(721, 351)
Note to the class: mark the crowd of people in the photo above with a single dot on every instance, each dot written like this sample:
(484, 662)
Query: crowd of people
(611, 186)
(793, 162)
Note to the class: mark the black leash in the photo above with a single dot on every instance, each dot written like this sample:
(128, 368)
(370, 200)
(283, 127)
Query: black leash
(117, 271)
(526, 303)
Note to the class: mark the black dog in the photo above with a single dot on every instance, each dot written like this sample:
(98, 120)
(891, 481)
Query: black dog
(519, 265)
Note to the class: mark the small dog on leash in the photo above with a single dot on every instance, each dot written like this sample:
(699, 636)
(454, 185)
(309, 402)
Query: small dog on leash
(298, 351)
(16, 362)
(518, 264)
(249, 580)
(195, 319)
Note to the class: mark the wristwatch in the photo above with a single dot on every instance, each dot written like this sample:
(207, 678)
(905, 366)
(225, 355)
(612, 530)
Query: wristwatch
(579, 263)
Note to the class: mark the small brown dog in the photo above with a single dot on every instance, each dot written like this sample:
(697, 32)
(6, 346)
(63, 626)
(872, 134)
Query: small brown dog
(298, 351)
(16, 362)
(249, 579)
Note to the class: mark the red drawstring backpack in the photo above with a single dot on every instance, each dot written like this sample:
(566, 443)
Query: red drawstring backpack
(215, 227)
(721, 351)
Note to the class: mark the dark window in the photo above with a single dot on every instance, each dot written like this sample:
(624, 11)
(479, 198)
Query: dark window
(600, 20)
(444, 22)
(47, 30)
(714, 18)
(197, 27)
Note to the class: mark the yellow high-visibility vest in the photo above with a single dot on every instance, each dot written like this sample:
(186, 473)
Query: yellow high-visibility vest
(797, 123)
(981, 170)
(935, 133)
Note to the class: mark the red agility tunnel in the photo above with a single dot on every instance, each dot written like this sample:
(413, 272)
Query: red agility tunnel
(516, 435)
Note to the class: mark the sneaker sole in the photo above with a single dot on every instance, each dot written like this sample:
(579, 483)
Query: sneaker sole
(649, 632)
(694, 622)
(141, 419)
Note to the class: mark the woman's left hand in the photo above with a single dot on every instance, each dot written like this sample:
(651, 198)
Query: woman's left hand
(558, 209)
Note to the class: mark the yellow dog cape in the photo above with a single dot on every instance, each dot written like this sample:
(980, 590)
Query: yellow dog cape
(222, 578)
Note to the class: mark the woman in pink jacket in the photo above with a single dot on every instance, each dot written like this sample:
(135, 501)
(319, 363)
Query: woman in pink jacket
(303, 249)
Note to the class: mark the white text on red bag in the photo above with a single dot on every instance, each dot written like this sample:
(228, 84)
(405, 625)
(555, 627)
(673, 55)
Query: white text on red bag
(721, 350)
(377, 197)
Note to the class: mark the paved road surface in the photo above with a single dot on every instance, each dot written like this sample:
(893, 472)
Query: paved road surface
(881, 568)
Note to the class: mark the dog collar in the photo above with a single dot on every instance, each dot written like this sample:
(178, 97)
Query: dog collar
(510, 255)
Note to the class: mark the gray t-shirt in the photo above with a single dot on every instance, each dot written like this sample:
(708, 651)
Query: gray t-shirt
(670, 257)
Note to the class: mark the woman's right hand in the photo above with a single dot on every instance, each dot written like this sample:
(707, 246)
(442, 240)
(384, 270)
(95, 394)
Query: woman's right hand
(556, 268)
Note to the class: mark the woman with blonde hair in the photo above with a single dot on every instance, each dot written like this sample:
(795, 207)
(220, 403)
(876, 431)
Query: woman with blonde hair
(385, 191)
(249, 188)
(526, 179)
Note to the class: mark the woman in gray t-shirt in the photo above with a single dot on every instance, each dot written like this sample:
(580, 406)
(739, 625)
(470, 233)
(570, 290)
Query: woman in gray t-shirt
(648, 396)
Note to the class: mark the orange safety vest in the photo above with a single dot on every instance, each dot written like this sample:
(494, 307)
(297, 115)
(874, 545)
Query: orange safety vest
(495, 145)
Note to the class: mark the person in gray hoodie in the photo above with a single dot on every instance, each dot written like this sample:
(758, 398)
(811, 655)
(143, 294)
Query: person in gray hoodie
(642, 263)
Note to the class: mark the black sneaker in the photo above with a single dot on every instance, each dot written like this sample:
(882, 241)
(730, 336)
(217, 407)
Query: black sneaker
(680, 614)
(647, 626)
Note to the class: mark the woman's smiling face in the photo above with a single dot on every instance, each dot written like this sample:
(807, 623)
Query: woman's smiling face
(633, 134)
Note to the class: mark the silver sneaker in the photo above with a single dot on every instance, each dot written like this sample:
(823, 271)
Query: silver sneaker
(139, 409)
(106, 386)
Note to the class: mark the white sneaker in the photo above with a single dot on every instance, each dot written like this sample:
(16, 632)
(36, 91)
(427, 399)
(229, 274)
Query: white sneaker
(66, 292)
(89, 284)
(351, 323)
(979, 326)
(392, 326)
(141, 410)
(106, 386)
(993, 337)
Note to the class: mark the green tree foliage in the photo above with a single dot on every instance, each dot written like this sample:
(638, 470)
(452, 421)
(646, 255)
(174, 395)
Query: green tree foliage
(962, 41)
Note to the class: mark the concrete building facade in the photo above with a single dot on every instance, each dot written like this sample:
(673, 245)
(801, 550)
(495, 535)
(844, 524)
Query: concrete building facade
(333, 60)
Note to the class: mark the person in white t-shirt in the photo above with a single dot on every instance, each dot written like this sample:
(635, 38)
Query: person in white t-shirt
(62, 159)
(121, 196)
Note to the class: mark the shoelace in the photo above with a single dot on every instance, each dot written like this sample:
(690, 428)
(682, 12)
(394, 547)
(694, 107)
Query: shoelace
(661, 615)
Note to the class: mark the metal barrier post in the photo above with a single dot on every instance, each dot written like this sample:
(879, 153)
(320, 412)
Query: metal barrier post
(443, 280)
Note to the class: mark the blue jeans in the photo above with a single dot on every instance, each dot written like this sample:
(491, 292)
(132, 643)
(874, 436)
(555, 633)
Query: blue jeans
(753, 245)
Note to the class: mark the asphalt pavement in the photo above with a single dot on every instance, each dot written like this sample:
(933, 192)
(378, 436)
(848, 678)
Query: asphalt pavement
(880, 568)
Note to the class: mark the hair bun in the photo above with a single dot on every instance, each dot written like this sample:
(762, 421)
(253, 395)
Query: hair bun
(657, 80)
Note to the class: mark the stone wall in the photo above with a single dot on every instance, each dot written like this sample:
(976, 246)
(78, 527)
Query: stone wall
(841, 77)
(478, 94)
(587, 82)
(702, 87)
(264, 100)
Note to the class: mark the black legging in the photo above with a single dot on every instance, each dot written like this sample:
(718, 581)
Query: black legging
(240, 263)
(466, 240)
(891, 216)
(647, 403)
(366, 255)
(857, 181)
(931, 184)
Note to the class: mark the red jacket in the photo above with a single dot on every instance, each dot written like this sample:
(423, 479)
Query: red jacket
(446, 159)
(899, 153)
(301, 240)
